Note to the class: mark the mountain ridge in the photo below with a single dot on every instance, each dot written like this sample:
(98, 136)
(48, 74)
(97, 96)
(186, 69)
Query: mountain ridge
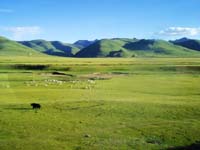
(13, 48)
(113, 47)
(135, 48)
(56, 48)
(189, 43)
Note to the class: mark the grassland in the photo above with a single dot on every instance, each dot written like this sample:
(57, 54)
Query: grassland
(99, 104)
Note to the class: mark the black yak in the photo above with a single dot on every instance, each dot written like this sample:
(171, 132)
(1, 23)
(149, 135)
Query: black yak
(35, 106)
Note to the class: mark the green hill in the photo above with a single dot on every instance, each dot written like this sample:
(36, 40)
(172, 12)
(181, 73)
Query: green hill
(116, 47)
(188, 43)
(83, 43)
(159, 48)
(56, 48)
(135, 48)
(12, 48)
(106, 48)
(69, 49)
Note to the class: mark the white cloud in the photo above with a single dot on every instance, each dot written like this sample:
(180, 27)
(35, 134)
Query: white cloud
(3, 10)
(20, 33)
(180, 31)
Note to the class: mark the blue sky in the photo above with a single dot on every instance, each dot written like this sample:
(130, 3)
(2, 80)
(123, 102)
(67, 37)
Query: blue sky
(71, 20)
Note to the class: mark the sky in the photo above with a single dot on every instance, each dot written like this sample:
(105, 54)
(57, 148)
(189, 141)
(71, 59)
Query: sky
(72, 20)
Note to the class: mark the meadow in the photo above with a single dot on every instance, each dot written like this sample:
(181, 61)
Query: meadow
(99, 103)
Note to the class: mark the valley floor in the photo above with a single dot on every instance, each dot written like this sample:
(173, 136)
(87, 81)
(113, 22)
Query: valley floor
(99, 104)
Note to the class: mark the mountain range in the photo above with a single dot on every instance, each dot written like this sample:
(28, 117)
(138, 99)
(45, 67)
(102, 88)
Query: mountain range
(56, 48)
(122, 47)
(115, 47)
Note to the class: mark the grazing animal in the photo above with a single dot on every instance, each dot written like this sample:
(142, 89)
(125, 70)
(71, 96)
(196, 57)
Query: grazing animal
(35, 106)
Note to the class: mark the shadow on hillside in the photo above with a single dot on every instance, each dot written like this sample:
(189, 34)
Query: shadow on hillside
(139, 45)
(195, 146)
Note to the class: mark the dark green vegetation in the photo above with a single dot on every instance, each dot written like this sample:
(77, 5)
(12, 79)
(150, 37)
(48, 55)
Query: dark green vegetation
(56, 48)
(12, 48)
(109, 104)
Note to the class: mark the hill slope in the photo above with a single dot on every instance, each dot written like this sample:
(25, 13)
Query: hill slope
(116, 47)
(135, 48)
(83, 43)
(188, 43)
(52, 47)
(159, 48)
(106, 48)
(12, 48)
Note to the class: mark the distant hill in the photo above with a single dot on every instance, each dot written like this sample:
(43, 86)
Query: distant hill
(69, 49)
(56, 48)
(12, 48)
(188, 43)
(135, 48)
(106, 48)
(116, 47)
(83, 43)
(159, 48)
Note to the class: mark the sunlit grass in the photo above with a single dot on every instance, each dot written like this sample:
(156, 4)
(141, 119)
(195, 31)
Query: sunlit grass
(99, 104)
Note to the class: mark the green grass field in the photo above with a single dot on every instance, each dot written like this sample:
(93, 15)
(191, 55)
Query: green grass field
(99, 104)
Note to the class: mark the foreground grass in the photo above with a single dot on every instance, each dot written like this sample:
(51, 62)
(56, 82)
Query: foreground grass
(99, 103)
